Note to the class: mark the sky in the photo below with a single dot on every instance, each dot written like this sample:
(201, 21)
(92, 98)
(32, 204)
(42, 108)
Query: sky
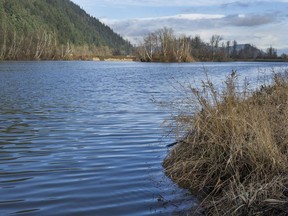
(263, 23)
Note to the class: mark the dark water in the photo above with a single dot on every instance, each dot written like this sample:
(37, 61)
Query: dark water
(84, 138)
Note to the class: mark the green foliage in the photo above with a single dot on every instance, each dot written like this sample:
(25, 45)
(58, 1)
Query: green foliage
(66, 21)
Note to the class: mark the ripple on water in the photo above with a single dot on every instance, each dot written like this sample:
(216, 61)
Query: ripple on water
(84, 138)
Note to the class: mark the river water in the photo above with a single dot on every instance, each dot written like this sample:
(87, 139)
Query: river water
(85, 138)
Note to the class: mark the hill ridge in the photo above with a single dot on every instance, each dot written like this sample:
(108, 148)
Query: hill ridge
(54, 29)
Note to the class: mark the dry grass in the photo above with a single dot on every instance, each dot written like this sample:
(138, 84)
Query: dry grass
(234, 154)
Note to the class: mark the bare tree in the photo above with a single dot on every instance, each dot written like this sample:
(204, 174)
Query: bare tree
(214, 43)
(228, 49)
(271, 53)
(182, 49)
(150, 45)
(166, 38)
(3, 41)
(234, 49)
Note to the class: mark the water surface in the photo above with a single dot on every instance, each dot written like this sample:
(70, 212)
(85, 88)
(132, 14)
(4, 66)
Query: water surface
(84, 138)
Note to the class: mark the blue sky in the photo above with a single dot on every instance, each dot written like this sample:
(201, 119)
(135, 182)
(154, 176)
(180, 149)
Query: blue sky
(259, 22)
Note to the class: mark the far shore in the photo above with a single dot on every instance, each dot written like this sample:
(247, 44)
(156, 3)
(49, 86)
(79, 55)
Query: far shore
(121, 59)
(135, 59)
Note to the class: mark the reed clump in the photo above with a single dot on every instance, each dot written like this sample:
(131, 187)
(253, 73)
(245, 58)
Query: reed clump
(234, 154)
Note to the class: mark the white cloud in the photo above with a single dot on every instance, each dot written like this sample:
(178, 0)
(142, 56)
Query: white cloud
(188, 17)
(143, 2)
(163, 18)
(260, 22)
(261, 30)
(168, 3)
(188, 24)
(162, 3)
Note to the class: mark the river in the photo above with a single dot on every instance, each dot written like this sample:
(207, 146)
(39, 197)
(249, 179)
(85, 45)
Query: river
(85, 138)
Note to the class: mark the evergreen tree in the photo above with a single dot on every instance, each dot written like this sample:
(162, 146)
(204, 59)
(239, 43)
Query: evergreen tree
(45, 29)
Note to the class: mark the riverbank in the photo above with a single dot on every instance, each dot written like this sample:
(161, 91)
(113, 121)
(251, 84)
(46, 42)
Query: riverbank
(116, 58)
(130, 58)
(234, 152)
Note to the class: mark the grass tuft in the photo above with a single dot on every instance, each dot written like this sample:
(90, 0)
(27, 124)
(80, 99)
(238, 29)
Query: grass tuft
(234, 152)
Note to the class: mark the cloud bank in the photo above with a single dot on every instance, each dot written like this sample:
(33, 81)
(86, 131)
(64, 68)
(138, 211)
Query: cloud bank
(235, 26)
(169, 3)
(260, 22)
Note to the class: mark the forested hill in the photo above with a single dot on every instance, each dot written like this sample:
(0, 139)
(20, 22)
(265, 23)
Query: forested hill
(54, 29)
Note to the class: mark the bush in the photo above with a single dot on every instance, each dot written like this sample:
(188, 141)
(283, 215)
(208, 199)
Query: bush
(234, 154)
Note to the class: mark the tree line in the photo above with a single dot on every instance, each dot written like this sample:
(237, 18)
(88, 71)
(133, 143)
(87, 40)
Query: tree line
(44, 45)
(162, 45)
(54, 29)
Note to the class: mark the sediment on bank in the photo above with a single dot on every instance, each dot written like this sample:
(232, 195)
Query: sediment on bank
(234, 154)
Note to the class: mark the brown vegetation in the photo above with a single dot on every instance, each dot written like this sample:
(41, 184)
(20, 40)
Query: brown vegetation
(234, 154)
(43, 45)
(164, 46)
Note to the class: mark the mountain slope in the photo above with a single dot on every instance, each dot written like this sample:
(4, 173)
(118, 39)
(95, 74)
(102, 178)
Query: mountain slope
(54, 29)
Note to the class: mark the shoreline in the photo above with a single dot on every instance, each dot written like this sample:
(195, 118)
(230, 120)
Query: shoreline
(134, 59)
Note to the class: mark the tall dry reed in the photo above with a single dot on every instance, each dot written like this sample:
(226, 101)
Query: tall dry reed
(234, 154)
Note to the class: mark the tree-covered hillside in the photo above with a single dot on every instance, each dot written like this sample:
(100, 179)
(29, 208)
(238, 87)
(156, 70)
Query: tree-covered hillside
(47, 29)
